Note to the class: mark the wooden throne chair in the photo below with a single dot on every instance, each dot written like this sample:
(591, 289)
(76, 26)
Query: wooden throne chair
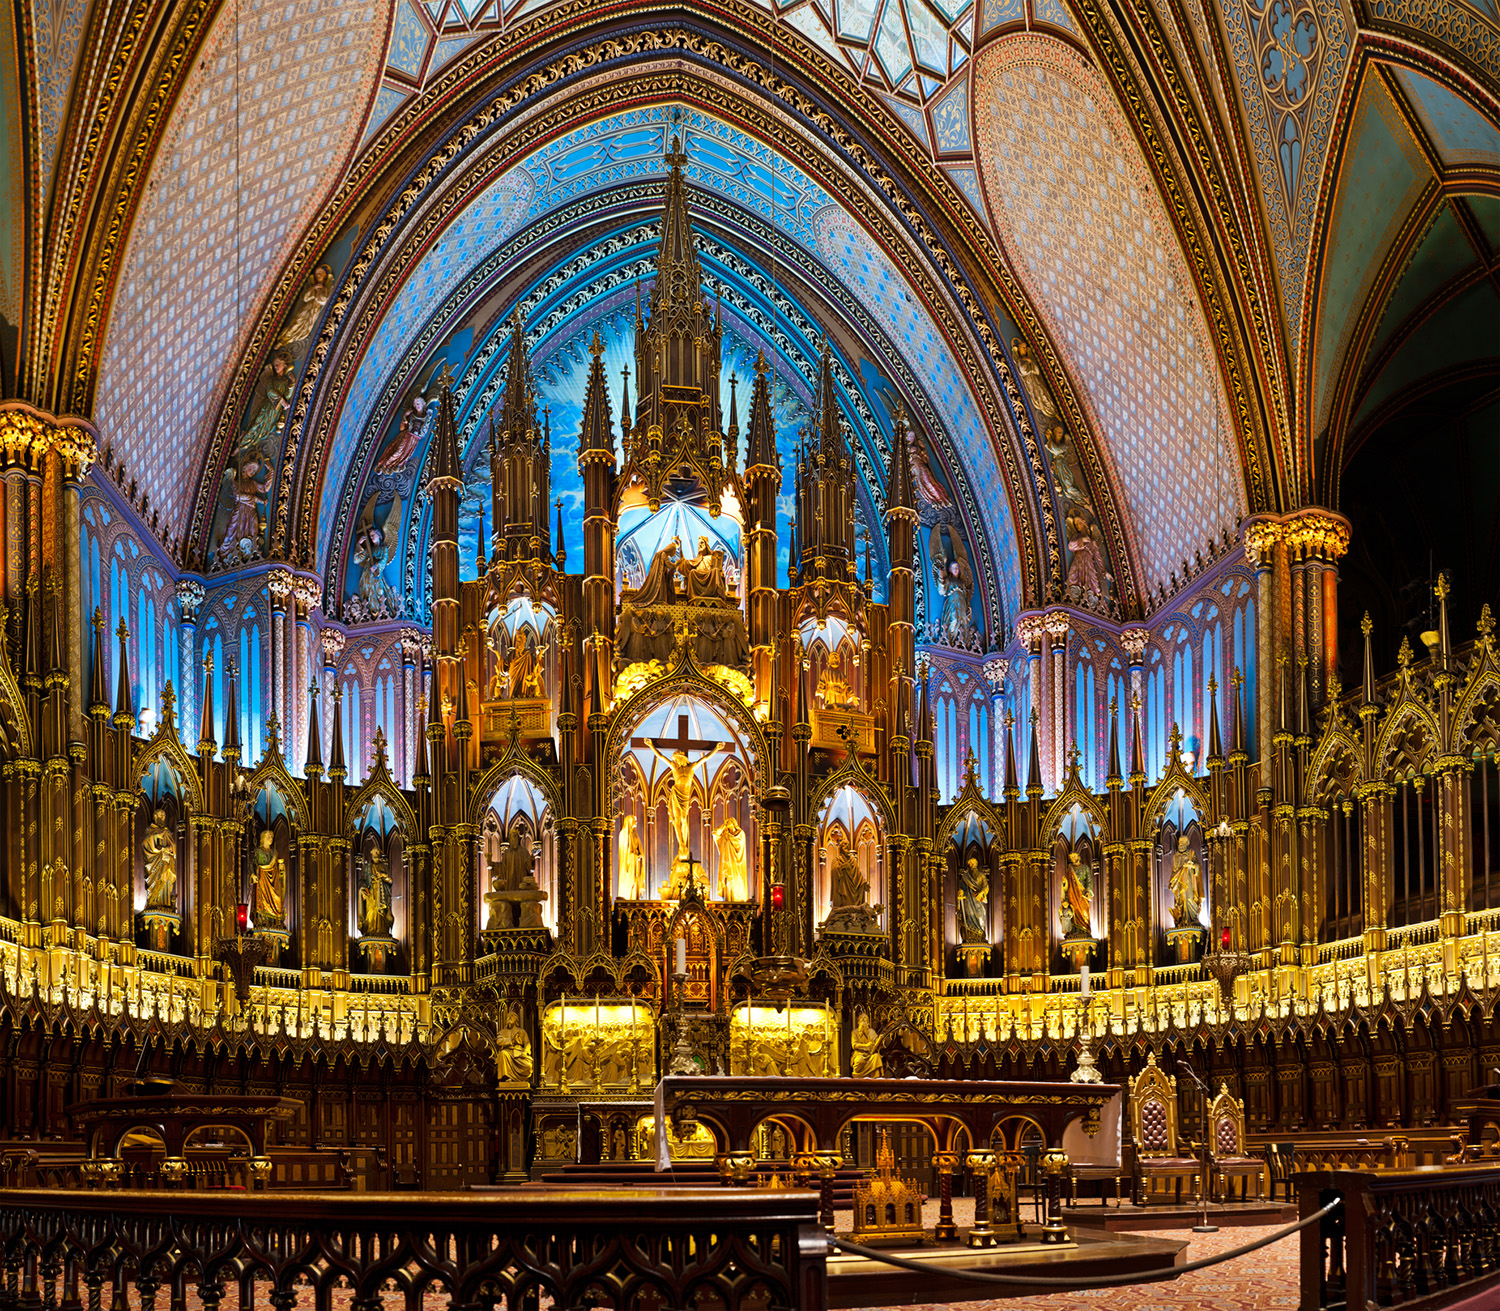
(1226, 1118)
(1153, 1121)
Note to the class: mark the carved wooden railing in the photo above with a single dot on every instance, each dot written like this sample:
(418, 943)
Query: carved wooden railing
(1422, 1237)
(677, 1247)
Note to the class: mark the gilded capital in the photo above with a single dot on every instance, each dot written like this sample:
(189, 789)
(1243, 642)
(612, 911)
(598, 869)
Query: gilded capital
(190, 595)
(333, 645)
(27, 434)
(280, 584)
(1134, 641)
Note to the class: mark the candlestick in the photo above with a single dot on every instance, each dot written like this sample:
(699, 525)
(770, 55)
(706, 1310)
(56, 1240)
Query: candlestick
(1083, 979)
(681, 955)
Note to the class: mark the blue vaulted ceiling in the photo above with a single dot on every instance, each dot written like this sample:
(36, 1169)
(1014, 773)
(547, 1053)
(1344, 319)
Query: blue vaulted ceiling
(453, 305)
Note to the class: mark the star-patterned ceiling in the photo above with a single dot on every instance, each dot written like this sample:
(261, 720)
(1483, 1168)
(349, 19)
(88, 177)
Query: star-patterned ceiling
(1092, 240)
(225, 206)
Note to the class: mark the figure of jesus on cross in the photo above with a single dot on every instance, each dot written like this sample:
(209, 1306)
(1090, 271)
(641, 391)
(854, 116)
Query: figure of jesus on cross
(680, 795)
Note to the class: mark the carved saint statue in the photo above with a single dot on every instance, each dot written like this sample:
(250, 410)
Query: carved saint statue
(373, 544)
(849, 886)
(865, 1061)
(679, 802)
(1186, 886)
(270, 884)
(834, 692)
(660, 586)
(703, 578)
(734, 879)
(375, 918)
(632, 862)
(973, 902)
(525, 668)
(1077, 898)
(513, 1061)
(160, 852)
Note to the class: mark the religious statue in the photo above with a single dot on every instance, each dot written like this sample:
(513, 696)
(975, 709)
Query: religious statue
(513, 1062)
(973, 902)
(865, 1061)
(531, 905)
(270, 413)
(679, 802)
(525, 671)
(1186, 886)
(770, 1053)
(374, 597)
(498, 670)
(955, 584)
(734, 882)
(632, 882)
(660, 584)
(1077, 898)
(309, 308)
(1087, 570)
(1031, 376)
(703, 578)
(398, 455)
(834, 692)
(849, 891)
(242, 534)
(160, 852)
(270, 884)
(375, 918)
(926, 482)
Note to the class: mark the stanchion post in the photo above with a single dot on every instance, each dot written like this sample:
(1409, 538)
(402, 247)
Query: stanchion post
(947, 1165)
(1054, 1165)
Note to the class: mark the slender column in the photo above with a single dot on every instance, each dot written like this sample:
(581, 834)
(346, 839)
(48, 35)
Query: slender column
(279, 585)
(1057, 695)
(411, 650)
(307, 594)
(995, 672)
(190, 596)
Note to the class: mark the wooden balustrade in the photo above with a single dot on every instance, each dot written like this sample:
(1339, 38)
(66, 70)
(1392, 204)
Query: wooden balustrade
(721, 1248)
(1422, 1237)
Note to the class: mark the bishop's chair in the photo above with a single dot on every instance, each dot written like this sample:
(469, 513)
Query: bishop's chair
(1153, 1119)
(1226, 1118)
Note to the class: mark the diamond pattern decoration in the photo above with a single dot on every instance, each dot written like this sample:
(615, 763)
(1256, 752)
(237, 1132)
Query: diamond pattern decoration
(1092, 241)
(306, 72)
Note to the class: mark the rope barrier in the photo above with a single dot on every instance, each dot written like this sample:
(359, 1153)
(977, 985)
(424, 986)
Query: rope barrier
(1145, 1277)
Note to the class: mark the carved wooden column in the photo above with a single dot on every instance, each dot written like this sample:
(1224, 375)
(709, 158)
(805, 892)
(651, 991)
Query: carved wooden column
(190, 597)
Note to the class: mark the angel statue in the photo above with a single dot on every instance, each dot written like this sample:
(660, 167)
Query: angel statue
(309, 308)
(955, 584)
(242, 534)
(374, 597)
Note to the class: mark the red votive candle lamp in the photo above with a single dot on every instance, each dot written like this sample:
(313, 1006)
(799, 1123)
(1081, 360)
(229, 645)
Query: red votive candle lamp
(777, 893)
(242, 917)
(1224, 939)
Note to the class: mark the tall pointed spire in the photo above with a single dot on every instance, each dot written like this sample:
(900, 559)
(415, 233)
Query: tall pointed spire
(207, 746)
(1114, 740)
(679, 277)
(1215, 747)
(446, 464)
(1034, 763)
(231, 714)
(1368, 685)
(124, 709)
(337, 769)
(1137, 754)
(98, 683)
(595, 433)
(314, 765)
(760, 451)
(1012, 771)
(899, 490)
(1237, 746)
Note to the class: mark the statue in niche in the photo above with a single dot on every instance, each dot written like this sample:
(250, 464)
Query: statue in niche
(865, 1061)
(1077, 898)
(309, 308)
(849, 891)
(1186, 886)
(498, 672)
(1031, 377)
(374, 596)
(973, 902)
(375, 917)
(525, 670)
(955, 584)
(734, 879)
(270, 883)
(1087, 570)
(834, 692)
(679, 803)
(160, 852)
(632, 862)
(513, 1060)
(242, 534)
(703, 580)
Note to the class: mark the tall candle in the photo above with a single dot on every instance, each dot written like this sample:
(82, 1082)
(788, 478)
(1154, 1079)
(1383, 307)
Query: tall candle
(1083, 979)
(681, 955)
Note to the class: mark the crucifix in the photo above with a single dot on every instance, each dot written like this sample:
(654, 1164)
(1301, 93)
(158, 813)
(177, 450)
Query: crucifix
(680, 797)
